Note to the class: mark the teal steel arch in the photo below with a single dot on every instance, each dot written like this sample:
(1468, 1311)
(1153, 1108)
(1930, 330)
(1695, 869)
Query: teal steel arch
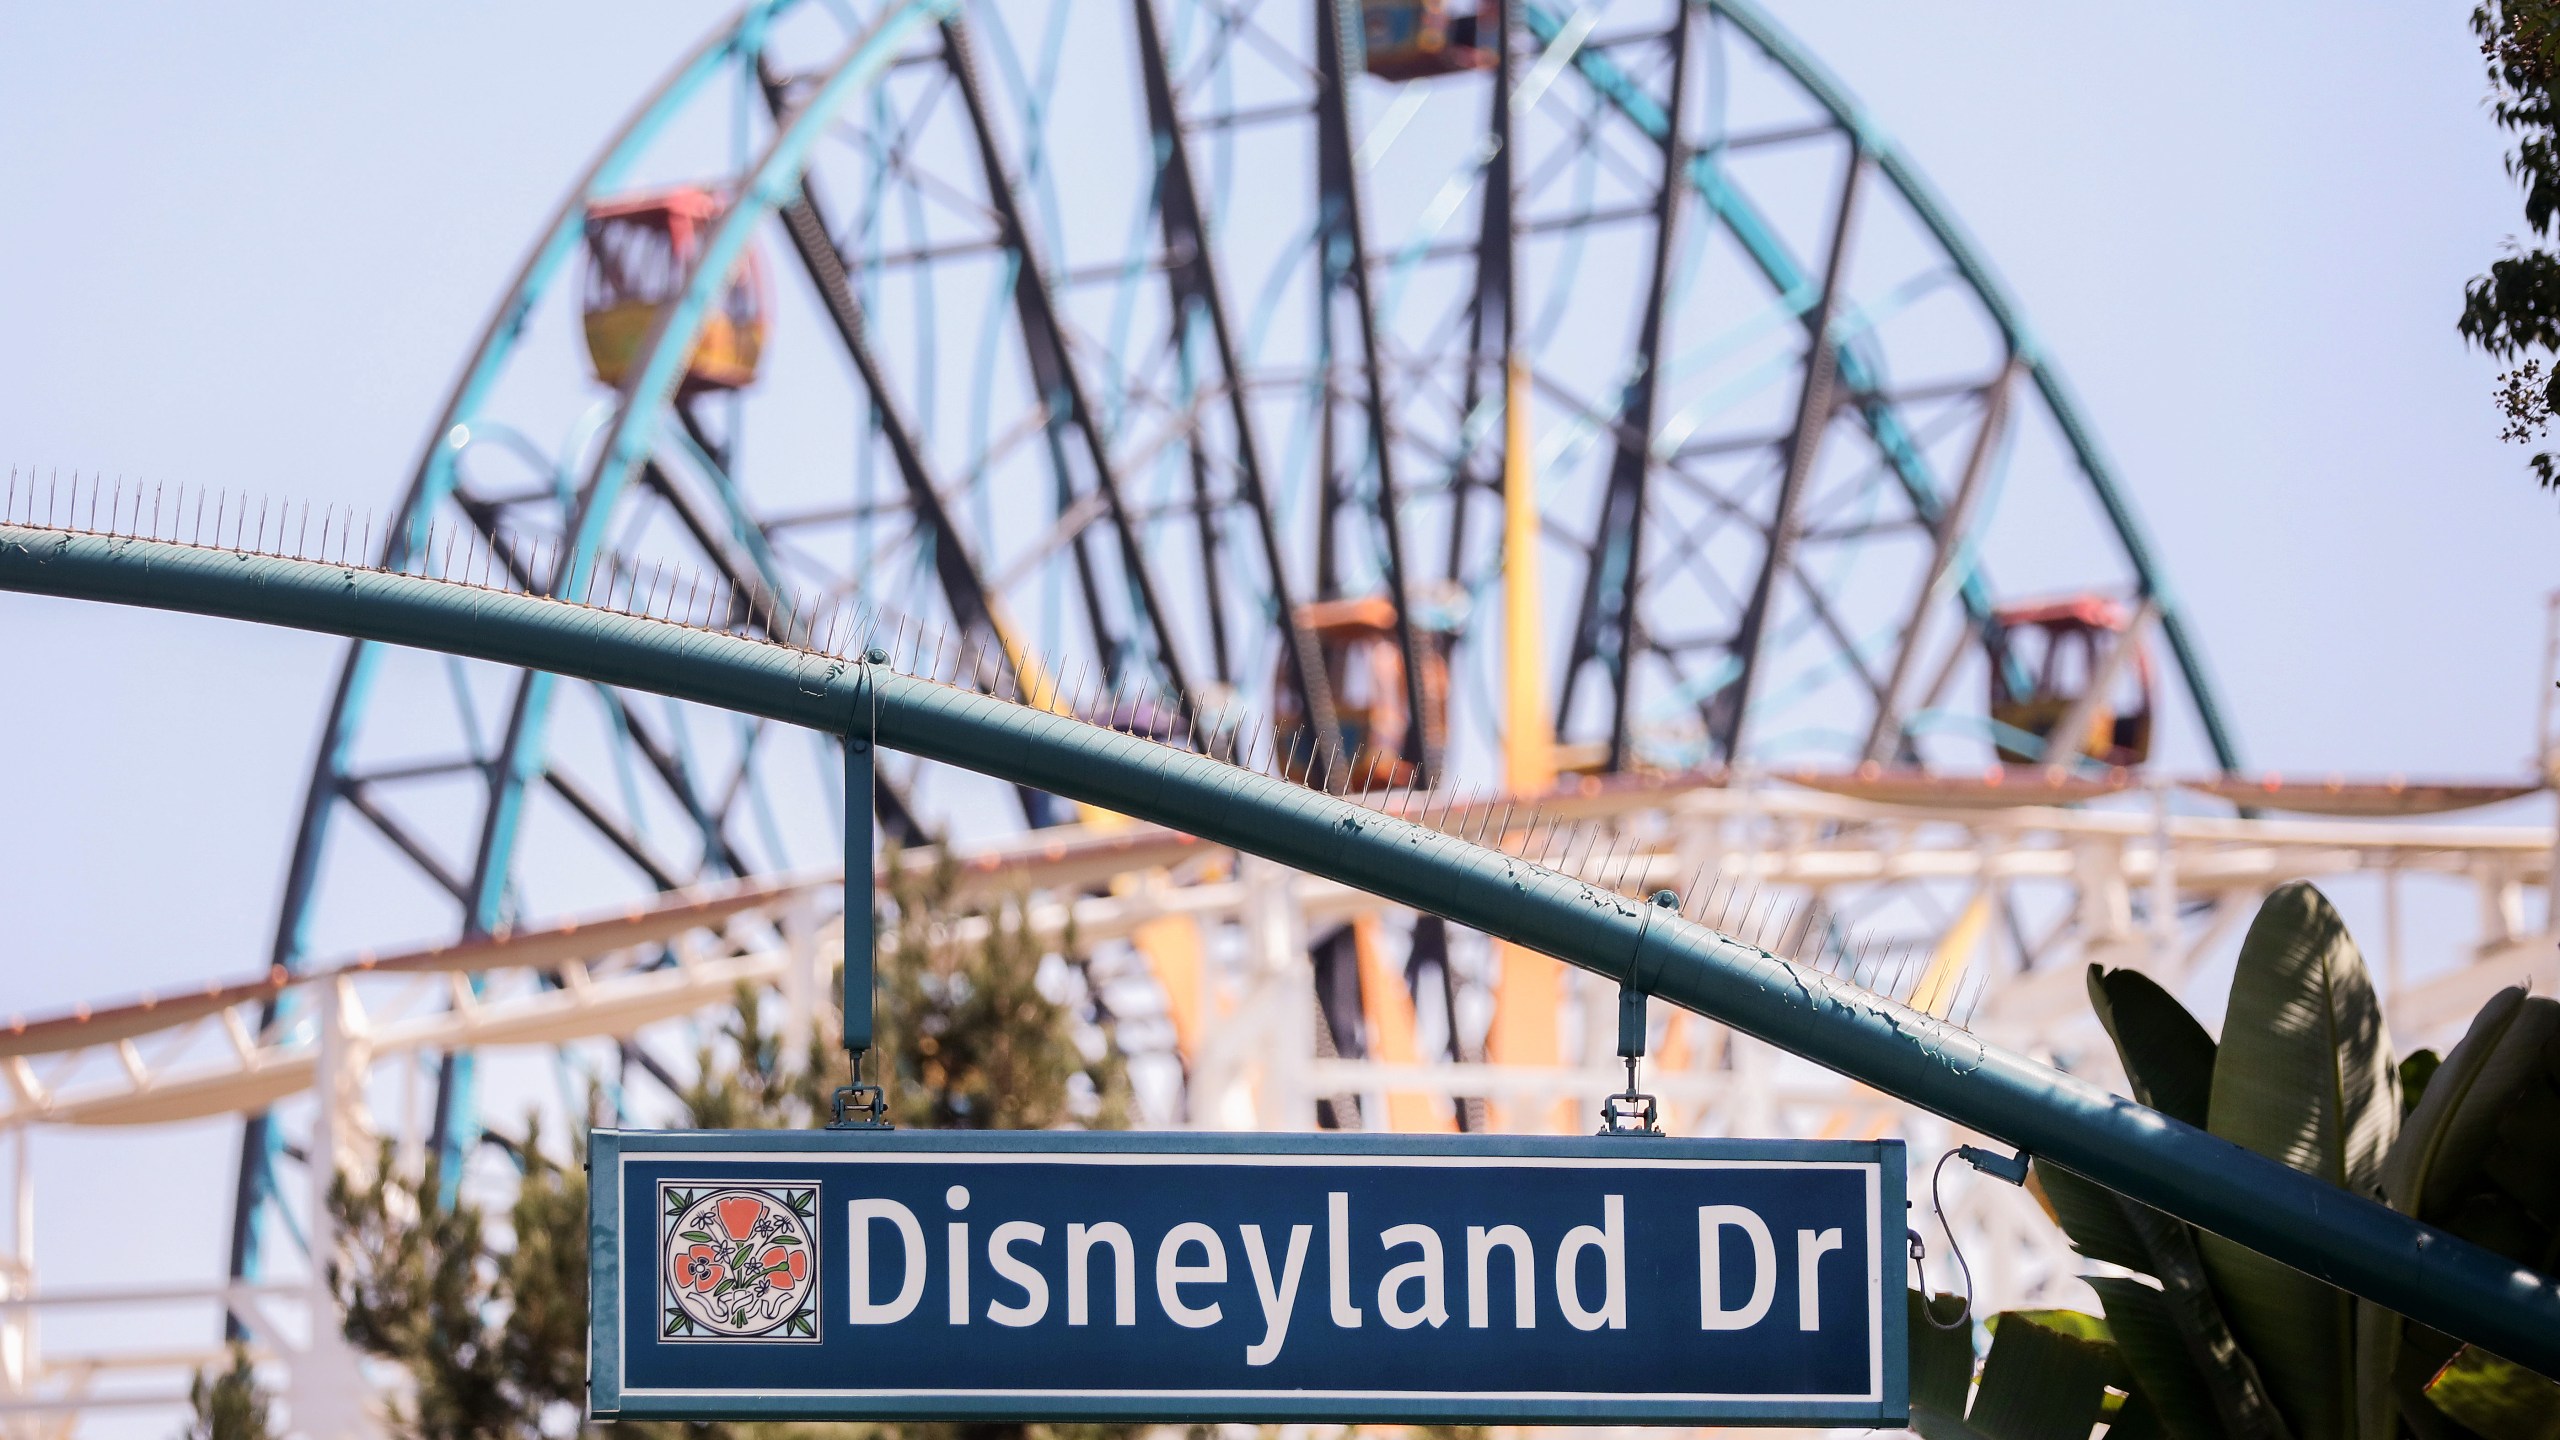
(431, 484)
(628, 442)
(1818, 81)
(2348, 1240)
(1892, 433)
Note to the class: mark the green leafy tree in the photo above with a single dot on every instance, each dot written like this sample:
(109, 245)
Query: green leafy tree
(493, 1335)
(492, 1338)
(2513, 312)
(229, 1405)
(976, 1043)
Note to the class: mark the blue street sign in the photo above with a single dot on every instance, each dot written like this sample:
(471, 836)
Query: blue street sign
(1196, 1277)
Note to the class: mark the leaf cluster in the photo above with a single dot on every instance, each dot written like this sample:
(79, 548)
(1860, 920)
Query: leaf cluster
(229, 1404)
(492, 1330)
(2216, 1340)
(493, 1338)
(2514, 309)
(976, 1042)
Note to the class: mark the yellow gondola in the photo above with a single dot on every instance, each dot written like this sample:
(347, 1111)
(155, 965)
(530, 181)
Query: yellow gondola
(640, 251)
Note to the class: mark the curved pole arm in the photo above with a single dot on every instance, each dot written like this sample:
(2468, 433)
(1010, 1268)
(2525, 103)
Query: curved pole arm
(2345, 1239)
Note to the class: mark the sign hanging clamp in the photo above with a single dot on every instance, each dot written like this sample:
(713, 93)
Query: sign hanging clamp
(1632, 1112)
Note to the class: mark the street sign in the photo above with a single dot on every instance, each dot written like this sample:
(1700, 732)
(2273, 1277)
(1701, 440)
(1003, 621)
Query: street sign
(1197, 1277)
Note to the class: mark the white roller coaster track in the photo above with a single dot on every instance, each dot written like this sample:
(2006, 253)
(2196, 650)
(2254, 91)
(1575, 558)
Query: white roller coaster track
(1249, 1050)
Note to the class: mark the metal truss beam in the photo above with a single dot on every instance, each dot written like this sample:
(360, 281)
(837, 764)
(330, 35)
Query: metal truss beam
(1607, 628)
(592, 810)
(1342, 251)
(1053, 366)
(1813, 419)
(755, 597)
(363, 803)
(1492, 325)
(1888, 736)
(1191, 270)
(954, 566)
(717, 847)
(1933, 212)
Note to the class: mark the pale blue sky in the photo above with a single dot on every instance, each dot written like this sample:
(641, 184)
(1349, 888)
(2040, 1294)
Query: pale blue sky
(246, 247)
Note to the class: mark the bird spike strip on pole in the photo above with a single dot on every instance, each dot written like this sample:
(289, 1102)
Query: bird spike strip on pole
(2347, 1240)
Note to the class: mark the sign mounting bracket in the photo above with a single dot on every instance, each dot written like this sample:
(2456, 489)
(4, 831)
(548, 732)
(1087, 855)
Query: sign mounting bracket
(859, 1106)
(1632, 1112)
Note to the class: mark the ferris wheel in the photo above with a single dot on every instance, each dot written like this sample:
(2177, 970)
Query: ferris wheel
(1484, 397)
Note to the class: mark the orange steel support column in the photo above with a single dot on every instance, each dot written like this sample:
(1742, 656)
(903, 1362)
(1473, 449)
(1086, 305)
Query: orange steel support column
(1172, 946)
(1528, 998)
(1387, 1009)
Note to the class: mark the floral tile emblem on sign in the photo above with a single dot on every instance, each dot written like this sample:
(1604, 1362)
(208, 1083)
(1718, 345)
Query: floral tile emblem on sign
(740, 1261)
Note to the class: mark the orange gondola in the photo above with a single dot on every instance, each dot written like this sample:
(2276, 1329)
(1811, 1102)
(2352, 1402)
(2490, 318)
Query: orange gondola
(1364, 667)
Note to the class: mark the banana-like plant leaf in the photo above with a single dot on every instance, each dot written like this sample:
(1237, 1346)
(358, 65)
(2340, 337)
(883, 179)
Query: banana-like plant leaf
(2495, 1398)
(2136, 1419)
(2167, 1055)
(1941, 1369)
(2088, 1212)
(2164, 1370)
(2242, 1406)
(2416, 1070)
(2304, 1075)
(2477, 1124)
(2438, 1156)
(2042, 1382)
(2525, 1163)
(2424, 1353)
(2078, 1324)
(2106, 1226)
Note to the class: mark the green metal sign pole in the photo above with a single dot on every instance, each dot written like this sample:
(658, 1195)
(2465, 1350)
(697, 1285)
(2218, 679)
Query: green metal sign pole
(2347, 1240)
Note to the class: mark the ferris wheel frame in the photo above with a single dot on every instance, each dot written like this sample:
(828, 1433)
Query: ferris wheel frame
(1838, 374)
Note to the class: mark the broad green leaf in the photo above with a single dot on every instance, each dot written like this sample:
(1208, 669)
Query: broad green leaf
(2454, 1125)
(2525, 1162)
(2441, 1160)
(2416, 1069)
(2106, 1226)
(698, 1237)
(2424, 1353)
(1941, 1369)
(2164, 1367)
(2040, 1383)
(2088, 1212)
(2304, 1075)
(2496, 1398)
(2166, 1054)
(2078, 1324)
(2136, 1419)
